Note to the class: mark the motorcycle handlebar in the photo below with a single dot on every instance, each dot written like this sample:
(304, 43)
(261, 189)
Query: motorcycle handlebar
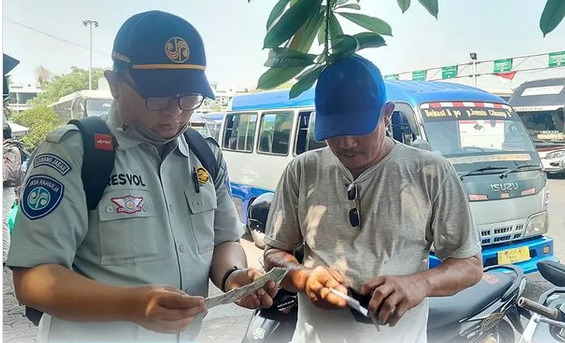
(551, 313)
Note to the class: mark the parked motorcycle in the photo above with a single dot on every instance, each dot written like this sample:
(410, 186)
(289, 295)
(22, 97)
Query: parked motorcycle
(547, 324)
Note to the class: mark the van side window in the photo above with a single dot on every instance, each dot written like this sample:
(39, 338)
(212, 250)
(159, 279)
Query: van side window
(305, 138)
(274, 133)
(239, 133)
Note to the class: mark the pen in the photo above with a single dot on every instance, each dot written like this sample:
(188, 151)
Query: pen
(196, 182)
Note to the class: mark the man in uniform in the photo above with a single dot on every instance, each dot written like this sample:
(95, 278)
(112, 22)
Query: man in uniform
(137, 267)
(367, 210)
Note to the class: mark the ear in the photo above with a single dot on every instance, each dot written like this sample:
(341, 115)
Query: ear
(387, 111)
(113, 81)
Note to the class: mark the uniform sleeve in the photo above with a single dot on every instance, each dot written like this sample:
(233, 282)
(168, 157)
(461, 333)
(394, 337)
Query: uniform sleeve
(52, 218)
(454, 233)
(227, 225)
(283, 228)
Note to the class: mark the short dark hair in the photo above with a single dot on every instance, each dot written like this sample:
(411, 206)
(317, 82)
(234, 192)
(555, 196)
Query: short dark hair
(7, 131)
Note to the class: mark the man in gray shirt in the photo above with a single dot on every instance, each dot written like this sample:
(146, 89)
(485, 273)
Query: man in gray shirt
(368, 210)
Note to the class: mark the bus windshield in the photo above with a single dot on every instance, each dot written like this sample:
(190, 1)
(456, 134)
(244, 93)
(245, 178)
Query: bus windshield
(97, 107)
(545, 126)
(478, 137)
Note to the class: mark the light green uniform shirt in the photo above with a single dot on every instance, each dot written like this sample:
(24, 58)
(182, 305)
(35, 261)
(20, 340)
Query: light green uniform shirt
(150, 227)
(408, 201)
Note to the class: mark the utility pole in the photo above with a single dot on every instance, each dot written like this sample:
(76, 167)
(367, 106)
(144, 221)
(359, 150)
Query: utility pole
(90, 22)
(473, 56)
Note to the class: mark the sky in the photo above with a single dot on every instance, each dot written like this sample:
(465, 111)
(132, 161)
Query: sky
(50, 33)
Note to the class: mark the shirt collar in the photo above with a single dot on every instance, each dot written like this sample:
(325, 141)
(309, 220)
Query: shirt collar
(125, 142)
(116, 123)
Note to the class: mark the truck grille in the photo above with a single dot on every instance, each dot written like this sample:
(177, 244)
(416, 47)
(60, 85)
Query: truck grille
(496, 233)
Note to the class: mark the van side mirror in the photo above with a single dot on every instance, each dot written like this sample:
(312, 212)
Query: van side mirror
(421, 144)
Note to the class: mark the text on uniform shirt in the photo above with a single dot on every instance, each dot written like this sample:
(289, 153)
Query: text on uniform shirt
(126, 179)
(52, 161)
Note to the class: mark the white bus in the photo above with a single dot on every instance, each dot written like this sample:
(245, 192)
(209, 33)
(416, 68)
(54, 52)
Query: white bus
(83, 104)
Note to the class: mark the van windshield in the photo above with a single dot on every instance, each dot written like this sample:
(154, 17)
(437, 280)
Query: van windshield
(478, 135)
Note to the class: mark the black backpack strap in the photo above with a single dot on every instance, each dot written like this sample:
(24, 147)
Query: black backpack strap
(99, 154)
(202, 151)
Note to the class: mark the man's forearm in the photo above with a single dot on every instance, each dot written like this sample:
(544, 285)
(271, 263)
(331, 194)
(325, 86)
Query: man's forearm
(226, 255)
(67, 295)
(295, 279)
(453, 275)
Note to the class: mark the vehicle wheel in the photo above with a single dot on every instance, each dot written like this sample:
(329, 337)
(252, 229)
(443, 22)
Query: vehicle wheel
(258, 238)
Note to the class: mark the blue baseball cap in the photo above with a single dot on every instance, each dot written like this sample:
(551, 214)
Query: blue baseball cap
(349, 96)
(164, 55)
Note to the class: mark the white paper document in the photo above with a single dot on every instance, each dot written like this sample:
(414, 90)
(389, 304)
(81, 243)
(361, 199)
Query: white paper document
(276, 275)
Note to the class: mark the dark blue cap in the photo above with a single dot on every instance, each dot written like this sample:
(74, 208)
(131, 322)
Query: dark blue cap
(164, 55)
(349, 96)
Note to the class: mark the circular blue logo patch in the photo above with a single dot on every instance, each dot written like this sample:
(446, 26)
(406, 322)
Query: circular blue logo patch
(42, 194)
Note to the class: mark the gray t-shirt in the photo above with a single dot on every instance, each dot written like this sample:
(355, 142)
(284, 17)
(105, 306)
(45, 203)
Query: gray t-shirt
(407, 202)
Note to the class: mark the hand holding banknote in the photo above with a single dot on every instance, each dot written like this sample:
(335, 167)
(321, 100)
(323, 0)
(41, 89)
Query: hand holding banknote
(250, 288)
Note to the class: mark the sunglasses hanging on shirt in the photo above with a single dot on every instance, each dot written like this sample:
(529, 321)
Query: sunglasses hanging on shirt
(352, 195)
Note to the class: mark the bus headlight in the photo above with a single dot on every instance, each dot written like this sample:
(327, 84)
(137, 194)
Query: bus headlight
(536, 224)
(555, 154)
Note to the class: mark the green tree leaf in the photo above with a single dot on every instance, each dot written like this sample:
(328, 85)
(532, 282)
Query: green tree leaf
(373, 24)
(290, 22)
(369, 40)
(276, 12)
(404, 5)
(303, 39)
(431, 6)
(335, 27)
(40, 120)
(305, 81)
(552, 15)
(276, 76)
(322, 30)
(287, 58)
(351, 6)
(342, 46)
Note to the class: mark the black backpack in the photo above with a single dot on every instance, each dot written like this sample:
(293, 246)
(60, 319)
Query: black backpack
(98, 164)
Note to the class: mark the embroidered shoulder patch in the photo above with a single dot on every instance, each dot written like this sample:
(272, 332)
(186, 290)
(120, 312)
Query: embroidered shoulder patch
(52, 161)
(42, 194)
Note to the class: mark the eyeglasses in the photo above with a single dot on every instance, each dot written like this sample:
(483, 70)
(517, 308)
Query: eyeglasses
(186, 102)
(354, 215)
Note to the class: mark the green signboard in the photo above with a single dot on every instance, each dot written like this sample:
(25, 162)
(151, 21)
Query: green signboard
(419, 75)
(557, 59)
(503, 66)
(391, 77)
(449, 72)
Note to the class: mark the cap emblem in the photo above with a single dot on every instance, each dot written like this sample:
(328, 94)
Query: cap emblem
(177, 50)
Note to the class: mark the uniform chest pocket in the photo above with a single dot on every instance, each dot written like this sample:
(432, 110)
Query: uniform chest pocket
(202, 211)
(128, 229)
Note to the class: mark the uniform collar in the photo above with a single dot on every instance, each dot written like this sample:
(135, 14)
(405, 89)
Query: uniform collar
(126, 142)
(116, 123)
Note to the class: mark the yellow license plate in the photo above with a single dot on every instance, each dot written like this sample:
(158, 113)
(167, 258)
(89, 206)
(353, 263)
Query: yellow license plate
(513, 255)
